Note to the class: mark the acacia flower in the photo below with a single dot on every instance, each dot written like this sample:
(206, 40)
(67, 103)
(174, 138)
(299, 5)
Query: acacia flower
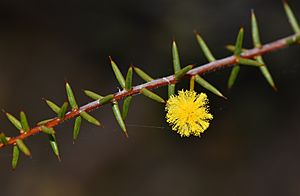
(188, 113)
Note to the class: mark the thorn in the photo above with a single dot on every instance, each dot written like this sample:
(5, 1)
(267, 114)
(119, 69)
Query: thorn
(126, 135)
(224, 97)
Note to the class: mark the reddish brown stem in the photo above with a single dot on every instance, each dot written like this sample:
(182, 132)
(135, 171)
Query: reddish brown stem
(213, 66)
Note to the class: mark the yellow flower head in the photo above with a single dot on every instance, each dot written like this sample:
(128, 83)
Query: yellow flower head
(188, 113)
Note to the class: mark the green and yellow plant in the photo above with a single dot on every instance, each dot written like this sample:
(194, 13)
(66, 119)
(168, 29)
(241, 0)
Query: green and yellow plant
(187, 112)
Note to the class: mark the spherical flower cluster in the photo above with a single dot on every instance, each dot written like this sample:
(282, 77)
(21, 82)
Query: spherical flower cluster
(188, 113)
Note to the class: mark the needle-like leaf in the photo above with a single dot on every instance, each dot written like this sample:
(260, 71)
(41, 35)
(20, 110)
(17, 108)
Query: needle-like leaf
(92, 95)
(291, 17)
(142, 74)
(53, 106)
(63, 110)
(89, 118)
(126, 104)
(118, 73)
(179, 74)
(152, 95)
(76, 127)
(21, 145)
(71, 97)
(208, 86)
(106, 99)
(15, 157)
(238, 49)
(14, 121)
(54, 145)
(24, 121)
(47, 130)
(257, 44)
(3, 139)
(205, 48)
(118, 116)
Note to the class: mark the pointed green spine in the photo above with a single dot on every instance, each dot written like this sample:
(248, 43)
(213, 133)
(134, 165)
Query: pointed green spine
(71, 97)
(118, 116)
(257, 44)
(15, 157)
(118, 73)
(152, 95)
(14, 121)
(24, 122)
(92, 95)
(291, 17)
(205, 48)
(143, 74)
(76, 129)
(21, 145)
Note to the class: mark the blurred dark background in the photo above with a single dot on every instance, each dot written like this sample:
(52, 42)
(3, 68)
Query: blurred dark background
(251, 148)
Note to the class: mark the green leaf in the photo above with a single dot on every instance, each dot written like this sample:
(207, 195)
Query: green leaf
(231, 48)
(118, 73)
(239, 42)
(89, 118)
(176, 59)
(24, 122)
(205, 48)
(171, 90)
(71, 97)
(23, 147)
(14, 121)
(291, 17)
(264, 70)
(76, 127)
(126, 105)
(44, 121)
(142, 74)
(238, 49)
(128, 82)
(3, 139)
(293, 39)
(244, 61)
(176, 67)
(152, 95)
(47, 130)
(54, 145)
(117, 113)
(106, 99)
(257, 44)
(233, 75)
(208, 86)
(179, 74)
(63, 110)
(255, 31)
(15, 157)
(53, 106)
(92, 95)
